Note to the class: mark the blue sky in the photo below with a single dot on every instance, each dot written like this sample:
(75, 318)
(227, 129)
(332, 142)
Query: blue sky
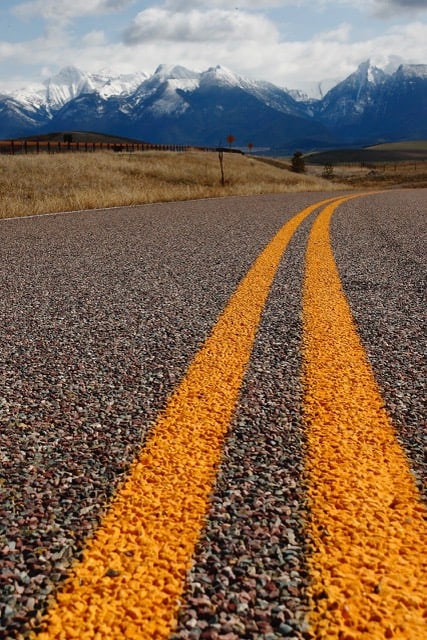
(288, 42)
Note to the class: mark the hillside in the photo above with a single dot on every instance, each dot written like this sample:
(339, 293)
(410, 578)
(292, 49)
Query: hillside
(81, 136)
(405, 151)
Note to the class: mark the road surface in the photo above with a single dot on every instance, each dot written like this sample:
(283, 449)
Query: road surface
(175, 377)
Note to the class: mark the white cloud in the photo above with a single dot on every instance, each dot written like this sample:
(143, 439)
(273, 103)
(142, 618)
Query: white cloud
(292, 63)
(63, 10)
(94, 38)
(201, 33)
(340, 34)
(332, 55)
(9, 49)
(188, 5)
(215, 25)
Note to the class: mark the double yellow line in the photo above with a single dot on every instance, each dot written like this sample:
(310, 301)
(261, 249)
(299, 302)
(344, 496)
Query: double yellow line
(132, 575)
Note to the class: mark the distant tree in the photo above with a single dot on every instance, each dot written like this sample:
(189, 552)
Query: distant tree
(328, 171)
(298, 162)
(230, 139)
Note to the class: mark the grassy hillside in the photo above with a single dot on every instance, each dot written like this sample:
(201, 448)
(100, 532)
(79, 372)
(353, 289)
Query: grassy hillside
(415, 150)
(81, 136)
(407, 146)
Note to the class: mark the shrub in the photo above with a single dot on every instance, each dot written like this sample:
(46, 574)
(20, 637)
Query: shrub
(298, 162)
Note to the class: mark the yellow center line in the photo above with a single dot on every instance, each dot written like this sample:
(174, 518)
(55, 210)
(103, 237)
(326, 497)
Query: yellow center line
(133, 571)
(369, 563)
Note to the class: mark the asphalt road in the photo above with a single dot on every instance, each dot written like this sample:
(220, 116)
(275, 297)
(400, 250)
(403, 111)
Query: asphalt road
(101, 315)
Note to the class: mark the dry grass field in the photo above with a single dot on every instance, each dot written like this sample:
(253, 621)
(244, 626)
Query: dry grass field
(392, 164)
(376, 176)
(46, 183)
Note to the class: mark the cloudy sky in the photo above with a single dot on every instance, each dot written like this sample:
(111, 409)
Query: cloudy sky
(288, 42)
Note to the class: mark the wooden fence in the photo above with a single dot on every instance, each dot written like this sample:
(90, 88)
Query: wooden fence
(13, 147)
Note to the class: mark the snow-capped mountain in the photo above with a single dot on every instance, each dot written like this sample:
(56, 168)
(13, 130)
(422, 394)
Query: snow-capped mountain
(71, 82)
(181, 106)
(373, 105)
(351, 96)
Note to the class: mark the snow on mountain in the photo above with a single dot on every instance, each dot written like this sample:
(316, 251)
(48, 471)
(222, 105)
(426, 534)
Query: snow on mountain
(418, 71)
(313, 90)
(160, 93)
(368, 73)
(108, 85)
(350, 97)
(365, 76)
(32, 97)
(174, 81)
(268, 93)
(168, 81)
(165, 72)
(221, 76)
(71, 82)
(170, 101)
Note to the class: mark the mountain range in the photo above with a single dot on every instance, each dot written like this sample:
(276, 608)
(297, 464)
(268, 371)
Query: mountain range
(175, 105)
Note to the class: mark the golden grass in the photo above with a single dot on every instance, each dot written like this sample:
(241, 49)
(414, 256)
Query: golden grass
(44, 183)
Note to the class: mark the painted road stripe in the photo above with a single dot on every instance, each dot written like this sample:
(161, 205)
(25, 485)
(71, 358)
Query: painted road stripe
(133, 572)
(369, 564)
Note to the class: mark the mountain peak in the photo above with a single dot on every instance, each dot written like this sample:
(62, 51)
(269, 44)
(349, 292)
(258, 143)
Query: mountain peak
(70, 72)
(67, 84)
(221, 75)
(368, 73)
(174, 72)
